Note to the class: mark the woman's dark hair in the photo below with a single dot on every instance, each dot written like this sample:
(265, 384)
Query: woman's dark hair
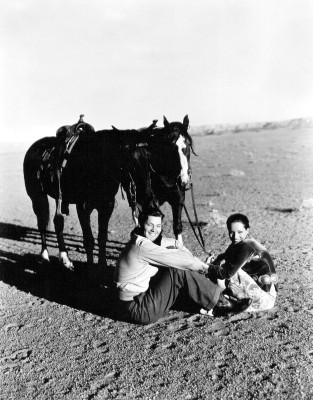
(237, 218)
(153, 212)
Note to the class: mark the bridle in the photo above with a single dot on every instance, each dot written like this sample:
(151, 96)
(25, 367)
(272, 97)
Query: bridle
(169, 141)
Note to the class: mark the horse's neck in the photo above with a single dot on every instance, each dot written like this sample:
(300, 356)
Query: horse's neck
(162, 165)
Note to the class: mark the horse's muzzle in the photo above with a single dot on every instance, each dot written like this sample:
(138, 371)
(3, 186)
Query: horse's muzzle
(186, 185)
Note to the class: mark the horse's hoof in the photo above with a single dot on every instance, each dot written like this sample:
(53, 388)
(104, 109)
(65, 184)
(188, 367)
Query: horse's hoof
(67, 263)
(45, 256)
(180, 238)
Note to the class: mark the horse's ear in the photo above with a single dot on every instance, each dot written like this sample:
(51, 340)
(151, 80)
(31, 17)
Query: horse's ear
(186, 122)
(165, 122)
(114, 129)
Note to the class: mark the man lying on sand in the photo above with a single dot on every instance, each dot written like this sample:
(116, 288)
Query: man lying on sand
(152, 271)
(246, 266)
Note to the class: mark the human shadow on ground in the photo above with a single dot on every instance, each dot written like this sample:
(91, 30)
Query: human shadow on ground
(87, 287)
(51, 281)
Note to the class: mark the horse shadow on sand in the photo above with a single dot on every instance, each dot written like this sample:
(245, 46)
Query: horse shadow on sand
(82, 288)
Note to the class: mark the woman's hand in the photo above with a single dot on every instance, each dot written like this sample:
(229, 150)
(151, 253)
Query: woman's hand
(204, 269)
(210, 258)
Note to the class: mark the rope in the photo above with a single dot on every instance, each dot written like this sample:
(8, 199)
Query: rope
(198, 237)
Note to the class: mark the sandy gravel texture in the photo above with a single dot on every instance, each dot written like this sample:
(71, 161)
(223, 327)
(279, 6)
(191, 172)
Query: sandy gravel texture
(60, 336)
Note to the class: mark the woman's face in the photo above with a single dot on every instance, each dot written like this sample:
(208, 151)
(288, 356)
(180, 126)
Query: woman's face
(238, 232)
(152, 227)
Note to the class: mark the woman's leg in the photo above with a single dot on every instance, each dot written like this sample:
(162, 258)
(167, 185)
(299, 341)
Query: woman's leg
(261, 300)
(164, 289)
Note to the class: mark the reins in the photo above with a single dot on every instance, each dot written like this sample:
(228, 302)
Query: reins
(199, 236)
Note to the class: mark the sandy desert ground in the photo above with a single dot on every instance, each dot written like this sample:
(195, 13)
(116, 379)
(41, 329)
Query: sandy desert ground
(60, 336)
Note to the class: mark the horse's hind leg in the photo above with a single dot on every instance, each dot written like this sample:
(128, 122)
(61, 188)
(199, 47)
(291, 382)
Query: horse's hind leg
(58, 221)
(104, 215)
(41, 209)
(83, 212)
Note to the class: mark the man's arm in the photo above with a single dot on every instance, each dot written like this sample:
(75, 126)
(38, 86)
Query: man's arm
(170, 243)
(159, 256)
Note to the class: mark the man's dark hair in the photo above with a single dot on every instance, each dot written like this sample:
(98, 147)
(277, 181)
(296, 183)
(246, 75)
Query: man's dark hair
(143, 216)
(237, 218)
(153, 212)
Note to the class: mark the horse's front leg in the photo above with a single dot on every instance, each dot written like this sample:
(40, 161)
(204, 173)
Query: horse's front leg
(104, 215)
(58, 221)
(177, 206)
(84, 211)
(44, 249)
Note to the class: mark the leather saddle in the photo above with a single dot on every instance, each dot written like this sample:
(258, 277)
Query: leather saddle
(67, 136)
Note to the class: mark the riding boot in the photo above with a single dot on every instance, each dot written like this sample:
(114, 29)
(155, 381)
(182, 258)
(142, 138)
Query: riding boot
(226, 305)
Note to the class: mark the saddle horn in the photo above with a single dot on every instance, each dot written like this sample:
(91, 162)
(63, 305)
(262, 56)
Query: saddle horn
(153, 125)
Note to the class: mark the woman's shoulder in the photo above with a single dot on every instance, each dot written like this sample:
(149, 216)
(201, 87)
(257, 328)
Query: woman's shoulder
(245, 246)
(254, 243)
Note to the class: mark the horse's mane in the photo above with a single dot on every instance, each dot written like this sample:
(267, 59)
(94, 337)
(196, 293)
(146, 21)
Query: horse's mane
(123, 137)
(155, 135)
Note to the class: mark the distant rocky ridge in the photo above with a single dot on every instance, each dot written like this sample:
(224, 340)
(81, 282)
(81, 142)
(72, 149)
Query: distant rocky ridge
(202, 130)
(219, 129)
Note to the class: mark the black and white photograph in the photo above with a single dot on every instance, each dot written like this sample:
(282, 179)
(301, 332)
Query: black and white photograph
(156, 208)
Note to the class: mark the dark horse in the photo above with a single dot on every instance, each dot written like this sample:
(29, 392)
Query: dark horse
(159, 171)
(90, 180)
(98, 163)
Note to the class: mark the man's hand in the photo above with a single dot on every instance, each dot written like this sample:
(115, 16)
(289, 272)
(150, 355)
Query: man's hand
(221, 283)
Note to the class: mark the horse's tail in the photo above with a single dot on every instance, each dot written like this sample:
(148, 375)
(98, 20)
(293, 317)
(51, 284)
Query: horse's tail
(34, 189)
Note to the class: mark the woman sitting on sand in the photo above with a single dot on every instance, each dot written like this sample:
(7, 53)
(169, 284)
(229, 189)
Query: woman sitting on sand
(246, 266)
(153, 270)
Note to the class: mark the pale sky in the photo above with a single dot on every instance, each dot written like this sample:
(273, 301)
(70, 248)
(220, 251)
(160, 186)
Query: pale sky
(127, 62)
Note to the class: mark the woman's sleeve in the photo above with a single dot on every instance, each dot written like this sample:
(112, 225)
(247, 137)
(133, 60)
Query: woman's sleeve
(236, 260)
(218, 259)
